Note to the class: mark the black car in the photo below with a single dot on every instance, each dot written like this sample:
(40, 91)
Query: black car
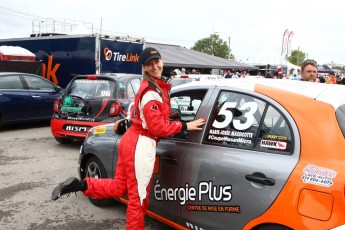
(92, 100)
(26, 97)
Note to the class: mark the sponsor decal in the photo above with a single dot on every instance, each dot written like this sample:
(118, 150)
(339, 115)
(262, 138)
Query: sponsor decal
(81, 119)
(214, 208)
(74, 128)
(120, 57)
(313, 174)
(100, 130)
(275, 137)
(91, 81)
(204, 191)
(273, 144)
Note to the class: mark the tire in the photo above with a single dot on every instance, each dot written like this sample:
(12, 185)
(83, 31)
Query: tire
(95, 169)
(64, 140)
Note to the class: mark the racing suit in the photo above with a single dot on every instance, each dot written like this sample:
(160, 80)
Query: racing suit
(137, 151)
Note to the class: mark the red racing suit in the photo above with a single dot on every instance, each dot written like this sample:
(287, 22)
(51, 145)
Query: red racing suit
(137, 151)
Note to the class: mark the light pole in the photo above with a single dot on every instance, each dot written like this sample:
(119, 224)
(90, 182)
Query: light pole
(228, 41)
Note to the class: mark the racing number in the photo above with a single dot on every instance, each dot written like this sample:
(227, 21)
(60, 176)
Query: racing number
(252, 106)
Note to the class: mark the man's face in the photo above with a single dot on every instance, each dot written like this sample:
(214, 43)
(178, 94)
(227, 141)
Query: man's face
(309, 73)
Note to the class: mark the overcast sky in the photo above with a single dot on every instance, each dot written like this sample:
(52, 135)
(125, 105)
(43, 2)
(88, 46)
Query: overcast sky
(255, 27)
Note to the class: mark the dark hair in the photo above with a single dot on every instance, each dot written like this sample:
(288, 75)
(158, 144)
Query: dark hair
(308, 62)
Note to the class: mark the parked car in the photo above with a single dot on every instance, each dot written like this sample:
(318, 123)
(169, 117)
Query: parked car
(26, 97)
(91, 100)
(271, 156)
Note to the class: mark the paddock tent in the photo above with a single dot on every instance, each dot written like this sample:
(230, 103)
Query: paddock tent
(175, 56)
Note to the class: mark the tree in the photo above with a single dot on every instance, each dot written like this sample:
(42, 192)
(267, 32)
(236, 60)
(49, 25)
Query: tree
(297, 57)
(213, 45)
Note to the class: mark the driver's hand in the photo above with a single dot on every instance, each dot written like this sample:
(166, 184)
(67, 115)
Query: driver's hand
(196, 124)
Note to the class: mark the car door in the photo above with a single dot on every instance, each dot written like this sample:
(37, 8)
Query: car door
(165, 195)
(43, 94)
(237, 166)
(15, 101)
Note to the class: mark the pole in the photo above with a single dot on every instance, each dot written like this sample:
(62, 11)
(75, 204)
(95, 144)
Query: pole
(229, 49)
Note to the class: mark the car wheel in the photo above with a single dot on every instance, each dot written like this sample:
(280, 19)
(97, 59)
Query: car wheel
(95, 169)
(64, 140)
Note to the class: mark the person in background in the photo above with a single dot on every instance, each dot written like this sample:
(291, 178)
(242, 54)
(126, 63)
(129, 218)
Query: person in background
(309, 70)
(137, 149)
(331, 78)
(228, 74)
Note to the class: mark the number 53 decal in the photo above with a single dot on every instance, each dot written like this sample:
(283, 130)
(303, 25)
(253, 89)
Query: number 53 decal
(252, 106)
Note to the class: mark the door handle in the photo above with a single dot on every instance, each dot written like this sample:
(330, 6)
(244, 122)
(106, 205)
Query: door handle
(169, 159)
(260, 178)
(36, 96)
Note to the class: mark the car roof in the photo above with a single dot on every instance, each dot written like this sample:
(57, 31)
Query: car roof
(15, 73)
(112, 76)
(328, 93)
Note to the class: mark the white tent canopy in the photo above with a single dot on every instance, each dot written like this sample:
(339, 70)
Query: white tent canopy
(16, 51)
(269, 57)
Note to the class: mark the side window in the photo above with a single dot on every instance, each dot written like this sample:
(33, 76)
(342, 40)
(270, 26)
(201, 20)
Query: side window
(10, 82)
(133, 88)
(184, 106)
(242, 121)
(36, 83)
(275, 134)
(235, 120)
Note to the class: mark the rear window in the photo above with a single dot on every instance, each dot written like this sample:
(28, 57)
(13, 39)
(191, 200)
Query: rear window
(87, 89)
(340, 114)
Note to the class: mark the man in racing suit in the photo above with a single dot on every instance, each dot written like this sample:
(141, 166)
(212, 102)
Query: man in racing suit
(137, 149)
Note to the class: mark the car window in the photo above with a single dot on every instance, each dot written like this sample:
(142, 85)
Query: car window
(36, 83)
(275, 132)
(10, 82)
(244, 121)
(184, 106)
(90, 88)
(133, 88)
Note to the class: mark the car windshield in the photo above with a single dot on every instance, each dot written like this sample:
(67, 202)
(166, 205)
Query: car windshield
(86, 88)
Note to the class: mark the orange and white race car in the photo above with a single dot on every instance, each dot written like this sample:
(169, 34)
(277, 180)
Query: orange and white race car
(271, 156)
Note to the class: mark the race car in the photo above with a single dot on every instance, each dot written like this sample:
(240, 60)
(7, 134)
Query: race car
(91, 100)
(271, 156)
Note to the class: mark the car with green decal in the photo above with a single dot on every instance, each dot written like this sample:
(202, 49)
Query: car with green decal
(91, 100)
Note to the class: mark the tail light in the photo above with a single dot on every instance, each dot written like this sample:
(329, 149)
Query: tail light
(115, 108)
(184, 76)
(56, 105)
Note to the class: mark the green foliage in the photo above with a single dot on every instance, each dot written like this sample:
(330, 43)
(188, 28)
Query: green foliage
(297, 57)
(213, 45)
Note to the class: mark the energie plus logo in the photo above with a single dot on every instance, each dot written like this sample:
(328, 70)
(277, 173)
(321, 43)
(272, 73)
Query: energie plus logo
(117, 56)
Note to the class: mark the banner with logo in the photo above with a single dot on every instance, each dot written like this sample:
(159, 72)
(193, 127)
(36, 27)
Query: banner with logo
(120, 57)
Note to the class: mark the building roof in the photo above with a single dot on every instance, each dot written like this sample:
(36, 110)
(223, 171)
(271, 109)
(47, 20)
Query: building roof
(177, 56)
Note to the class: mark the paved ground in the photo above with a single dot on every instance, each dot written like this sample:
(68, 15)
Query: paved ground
(32, 163)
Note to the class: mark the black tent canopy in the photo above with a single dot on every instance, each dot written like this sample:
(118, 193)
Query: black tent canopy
(175, 56)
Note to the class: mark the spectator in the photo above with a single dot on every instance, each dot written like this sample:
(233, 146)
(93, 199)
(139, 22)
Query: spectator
(228, 74)
(309, 70)
(331, 78)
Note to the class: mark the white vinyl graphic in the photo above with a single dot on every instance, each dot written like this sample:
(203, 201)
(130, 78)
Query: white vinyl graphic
(226, 111)
(145, 154)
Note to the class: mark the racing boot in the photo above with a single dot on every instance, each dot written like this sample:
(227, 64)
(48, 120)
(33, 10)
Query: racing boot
(72, 184)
